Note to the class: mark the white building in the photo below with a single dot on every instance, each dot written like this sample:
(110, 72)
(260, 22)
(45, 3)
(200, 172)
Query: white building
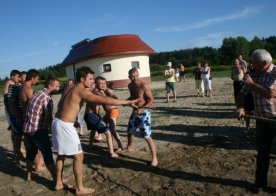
(111, 57)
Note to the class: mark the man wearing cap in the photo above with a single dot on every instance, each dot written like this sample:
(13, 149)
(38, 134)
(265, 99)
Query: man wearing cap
(169, 76)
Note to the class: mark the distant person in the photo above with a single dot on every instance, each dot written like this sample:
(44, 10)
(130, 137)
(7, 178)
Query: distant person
(237, 75)
(177, 75)
(198, 80)
(169, 76)
(206, 77)
(141, 116)
(37, 125)
(112, 112)
(14, 79)
(182, 72)
(262, 85)
(242, 62)
(64, 135)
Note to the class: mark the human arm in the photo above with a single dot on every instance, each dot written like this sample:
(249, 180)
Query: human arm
(93, 98)
(265, 92)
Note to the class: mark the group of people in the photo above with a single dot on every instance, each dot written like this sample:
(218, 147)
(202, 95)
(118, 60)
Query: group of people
(202, 76)
(33, 118)
(31, 114)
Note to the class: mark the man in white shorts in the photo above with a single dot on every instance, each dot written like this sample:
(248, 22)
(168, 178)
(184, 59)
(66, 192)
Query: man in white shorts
(64, 135)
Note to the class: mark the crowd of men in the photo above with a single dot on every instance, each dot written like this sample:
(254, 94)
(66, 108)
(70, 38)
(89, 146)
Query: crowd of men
(30, 115)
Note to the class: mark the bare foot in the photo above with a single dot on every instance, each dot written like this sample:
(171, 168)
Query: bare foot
(64, 186)
(85, 191)
(114, 155)
(119, 150)
(154, 163)
(40, 169)
(126, 150)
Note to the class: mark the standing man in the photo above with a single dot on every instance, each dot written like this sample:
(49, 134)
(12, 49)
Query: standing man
(242, 62)
(112, 112)
(182, 72)
(37, 125)
(141, 117)
(14, 79)
(198, 80)
(262, 85)
(64, 135)
(26, 93)
(169, 76)
(237, 75)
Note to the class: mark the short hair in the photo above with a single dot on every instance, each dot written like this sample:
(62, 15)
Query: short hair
(14, 72)
(131, 71)
(50, 81)
(99, 78)
(23, 73)
(82, 72)
(32, 73)
(262, 55)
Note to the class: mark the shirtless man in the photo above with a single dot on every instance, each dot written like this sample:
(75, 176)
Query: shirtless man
(140, 117)
(64, 135)
(26, 93)
(112, 112)
(14, 78)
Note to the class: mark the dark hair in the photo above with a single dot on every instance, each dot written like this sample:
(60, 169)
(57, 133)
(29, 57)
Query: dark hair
(14, 72)
(132, 71)
(99, 78)
(32, 73)
(82, 72)
(50, 81)
(23, 73)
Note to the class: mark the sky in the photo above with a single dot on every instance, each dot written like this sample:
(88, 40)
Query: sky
(40, 33)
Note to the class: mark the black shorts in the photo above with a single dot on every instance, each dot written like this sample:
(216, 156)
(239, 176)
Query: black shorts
(94, 122)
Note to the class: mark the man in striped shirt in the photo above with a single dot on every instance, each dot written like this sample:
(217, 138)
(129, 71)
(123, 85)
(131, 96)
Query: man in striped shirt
(262, 85)
(37, 125)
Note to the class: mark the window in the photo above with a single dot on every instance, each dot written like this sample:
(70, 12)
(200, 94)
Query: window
(135, 64)
(107, 67)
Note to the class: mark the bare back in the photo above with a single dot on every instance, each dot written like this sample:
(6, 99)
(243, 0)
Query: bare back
(25, 94)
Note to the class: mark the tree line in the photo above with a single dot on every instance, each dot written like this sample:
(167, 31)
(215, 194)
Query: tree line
(225, 55)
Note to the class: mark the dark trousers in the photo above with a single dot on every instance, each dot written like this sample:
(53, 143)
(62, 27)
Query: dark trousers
(265, 132)
(237, 87)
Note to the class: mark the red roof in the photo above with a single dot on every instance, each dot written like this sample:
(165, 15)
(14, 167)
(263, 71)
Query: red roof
(107, 46)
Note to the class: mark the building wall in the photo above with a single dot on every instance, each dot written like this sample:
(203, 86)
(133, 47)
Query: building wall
(120, 65)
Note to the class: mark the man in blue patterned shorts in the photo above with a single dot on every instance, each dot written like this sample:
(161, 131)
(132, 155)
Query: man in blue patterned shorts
(140, 118)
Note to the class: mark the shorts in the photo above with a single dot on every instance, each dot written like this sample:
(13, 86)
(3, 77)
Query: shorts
(65, 138)
(170, 86)
(182, 73)
(142, 121)
(113, 113)
(94, 122)
(38, 140)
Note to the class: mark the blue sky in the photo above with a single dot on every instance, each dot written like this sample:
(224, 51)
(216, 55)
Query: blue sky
(39, 33)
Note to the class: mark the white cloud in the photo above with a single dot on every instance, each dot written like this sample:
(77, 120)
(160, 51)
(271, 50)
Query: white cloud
(212, 40)
(208, 22)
